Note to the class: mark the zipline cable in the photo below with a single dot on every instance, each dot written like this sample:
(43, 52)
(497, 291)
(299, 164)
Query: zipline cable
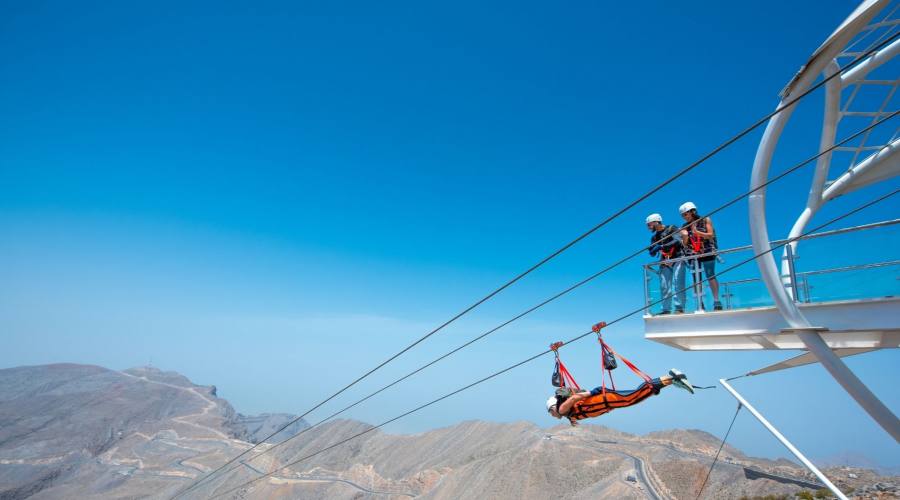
(575, 339)
(716, 459)
(575, 286)
(532, 358)
(565, 247)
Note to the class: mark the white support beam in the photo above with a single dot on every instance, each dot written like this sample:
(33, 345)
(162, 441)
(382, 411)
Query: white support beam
(787, 444)
(759, 232)
(823, 165)
(878, 167)
(861, 70)
(805, 359)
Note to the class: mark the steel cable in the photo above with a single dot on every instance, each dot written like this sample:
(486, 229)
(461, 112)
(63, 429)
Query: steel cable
(543, 261)
(536, 356)
(571, 288)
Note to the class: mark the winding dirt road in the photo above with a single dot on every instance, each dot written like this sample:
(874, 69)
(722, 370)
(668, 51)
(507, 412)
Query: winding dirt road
(210, 404)
(207, 434)
(301, 479)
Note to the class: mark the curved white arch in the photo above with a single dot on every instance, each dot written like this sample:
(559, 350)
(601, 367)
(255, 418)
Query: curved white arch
(821, 61)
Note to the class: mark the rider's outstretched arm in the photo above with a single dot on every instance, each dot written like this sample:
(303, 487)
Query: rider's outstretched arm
(574, 398)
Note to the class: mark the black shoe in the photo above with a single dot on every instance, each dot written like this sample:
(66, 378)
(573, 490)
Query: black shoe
(679, 311)
(717, 306)
(664, 312)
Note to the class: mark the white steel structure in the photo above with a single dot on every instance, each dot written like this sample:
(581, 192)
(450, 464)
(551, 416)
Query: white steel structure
(827, 330)
(780, 437)
(882, 164)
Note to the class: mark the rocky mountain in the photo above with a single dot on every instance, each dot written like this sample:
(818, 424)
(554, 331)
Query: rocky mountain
(256, 428)
(76, 431)
(82, 432)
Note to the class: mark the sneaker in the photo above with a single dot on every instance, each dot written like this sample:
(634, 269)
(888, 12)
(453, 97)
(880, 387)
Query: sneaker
(679, 311)
(717, 306)
(680, 380)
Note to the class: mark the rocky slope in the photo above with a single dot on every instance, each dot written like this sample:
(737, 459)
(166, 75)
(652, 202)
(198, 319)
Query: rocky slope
(72, 431)
(76, 431)
(256, 428)
(479, 460)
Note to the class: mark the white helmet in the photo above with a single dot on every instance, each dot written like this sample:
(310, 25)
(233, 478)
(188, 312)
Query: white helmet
(654, 218)
(687, 207)
(551, 402)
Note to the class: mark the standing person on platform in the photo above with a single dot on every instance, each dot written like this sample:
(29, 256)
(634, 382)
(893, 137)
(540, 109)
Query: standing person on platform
(699, 238)
(666, 242)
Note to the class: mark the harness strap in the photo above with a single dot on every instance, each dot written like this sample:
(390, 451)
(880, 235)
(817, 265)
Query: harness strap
(696, 243)
(566, 377)
(597, 328)
(637, 371)
(603, 382)
(671, 252)
(569, 381)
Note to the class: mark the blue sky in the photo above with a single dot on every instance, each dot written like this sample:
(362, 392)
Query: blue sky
(274, 198)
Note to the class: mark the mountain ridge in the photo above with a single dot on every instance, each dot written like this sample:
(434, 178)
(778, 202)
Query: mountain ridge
(82, 431)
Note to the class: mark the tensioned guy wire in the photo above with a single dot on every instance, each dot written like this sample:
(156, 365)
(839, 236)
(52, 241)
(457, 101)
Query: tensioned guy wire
(615, 215)
(716, 459)
(572, 288)
(532, 358)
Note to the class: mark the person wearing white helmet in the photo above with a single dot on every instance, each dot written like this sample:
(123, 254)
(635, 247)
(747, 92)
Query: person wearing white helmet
(593, 403)
(666, 242)
(699, 238)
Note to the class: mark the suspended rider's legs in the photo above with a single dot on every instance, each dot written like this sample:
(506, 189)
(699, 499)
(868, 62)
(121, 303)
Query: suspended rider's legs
(674, 377)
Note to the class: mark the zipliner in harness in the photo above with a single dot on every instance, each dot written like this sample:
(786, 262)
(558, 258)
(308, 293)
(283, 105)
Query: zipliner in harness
(607, 399)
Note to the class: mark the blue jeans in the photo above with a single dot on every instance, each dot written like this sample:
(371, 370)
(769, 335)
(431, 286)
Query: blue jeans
(671, 280)
(655, 384)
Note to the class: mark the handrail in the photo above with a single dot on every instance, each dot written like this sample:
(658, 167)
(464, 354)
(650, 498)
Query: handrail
(824, 271)
(833, 232)
(800, 278)
(851, 268)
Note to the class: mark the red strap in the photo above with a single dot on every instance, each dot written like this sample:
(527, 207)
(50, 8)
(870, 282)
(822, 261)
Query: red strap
(635, 369)
(696, 243)
(567, 378)
(596, 329)
(603, 381)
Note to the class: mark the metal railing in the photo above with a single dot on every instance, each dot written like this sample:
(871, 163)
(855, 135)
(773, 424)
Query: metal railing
(804, 289)
(798, 283)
